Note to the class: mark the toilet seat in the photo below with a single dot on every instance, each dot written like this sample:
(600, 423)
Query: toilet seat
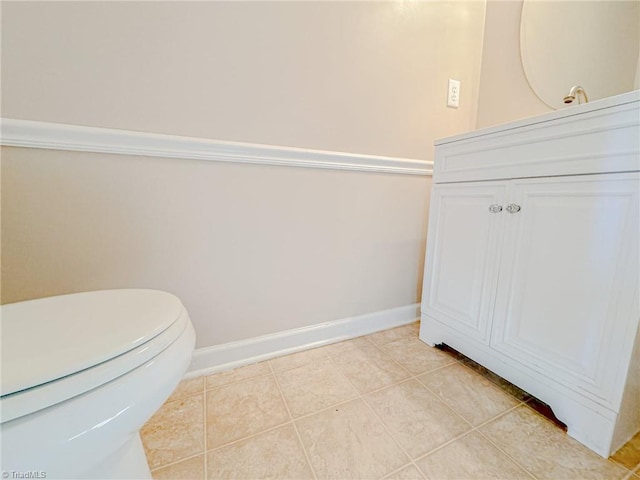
(127, 329)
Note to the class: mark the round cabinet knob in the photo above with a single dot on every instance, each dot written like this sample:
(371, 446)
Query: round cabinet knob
(495, 208)
(513, 208)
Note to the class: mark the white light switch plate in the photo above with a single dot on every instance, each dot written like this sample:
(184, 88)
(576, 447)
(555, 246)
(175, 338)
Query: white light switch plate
(453, 95)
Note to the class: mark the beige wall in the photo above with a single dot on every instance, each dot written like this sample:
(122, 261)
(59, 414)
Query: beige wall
(504, 93)
(598, 49)
(249, 249)
(363, 77)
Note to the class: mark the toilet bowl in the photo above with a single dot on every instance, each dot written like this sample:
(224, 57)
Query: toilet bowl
(81, 374)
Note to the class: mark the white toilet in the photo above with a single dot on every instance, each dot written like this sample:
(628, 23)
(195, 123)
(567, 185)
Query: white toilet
(81, 374)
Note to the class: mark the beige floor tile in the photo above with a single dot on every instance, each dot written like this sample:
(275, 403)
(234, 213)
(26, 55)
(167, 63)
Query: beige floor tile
(241, 409)
(349, 441)
(545, 450)
(341, 347)
(629, 454)
(415, 327)
(190, 469)
(369, 368)
(417, 419)
(313, 387)
(471, 456)
(237, 374)
(408, 473)
(298, 359)
(249, 433)
(176, 431)
(416, 356)
(187, 387)
(496, 379)
(276, 454)
(468, 393)
(393, 334)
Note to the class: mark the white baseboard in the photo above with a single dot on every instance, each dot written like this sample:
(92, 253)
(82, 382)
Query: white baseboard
(218, 358)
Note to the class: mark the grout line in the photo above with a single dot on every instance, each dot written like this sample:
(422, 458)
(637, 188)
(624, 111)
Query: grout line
(295, 427)
(330, 407)
(506, 454)
(384, 425)
(177, 461)
(398, 470)
(253, 435)
(630, 470)
(202, 394)
(380, 347)
(415, 375)
(248, 437)
(477, 429)
(490, 379)
(618, 462)
(411, 376)
(526, 402)
(333, 359)
(233, 382)
(380, 389)
(365, 337)
(441, 367)
(286, 369)
(501, 414)
(394, 339)
(384, 352)
(205, 424)
(272, 370)
(445, 404)
(467, 432)
(444, 445)
(188, 395)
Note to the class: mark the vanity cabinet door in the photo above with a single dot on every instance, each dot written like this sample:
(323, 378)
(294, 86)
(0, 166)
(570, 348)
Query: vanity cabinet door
(462, 256)
(567, 298)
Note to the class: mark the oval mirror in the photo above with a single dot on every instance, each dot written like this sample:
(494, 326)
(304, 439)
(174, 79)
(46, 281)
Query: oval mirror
(594, 44)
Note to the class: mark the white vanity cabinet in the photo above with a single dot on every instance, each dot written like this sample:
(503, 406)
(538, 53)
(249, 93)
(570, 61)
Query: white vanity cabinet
(533, 265)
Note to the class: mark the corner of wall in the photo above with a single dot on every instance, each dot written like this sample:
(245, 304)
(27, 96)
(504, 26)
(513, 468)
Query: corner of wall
(473, 117)
(502, 75)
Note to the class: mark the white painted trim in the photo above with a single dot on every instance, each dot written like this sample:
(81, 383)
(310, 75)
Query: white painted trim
(58, 136)
(218, 358)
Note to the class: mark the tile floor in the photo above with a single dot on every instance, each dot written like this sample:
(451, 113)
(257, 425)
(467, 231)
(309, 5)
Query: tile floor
(383, 406)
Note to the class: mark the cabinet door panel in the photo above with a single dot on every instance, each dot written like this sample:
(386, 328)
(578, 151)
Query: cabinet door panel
(461, 264)
(569, 278)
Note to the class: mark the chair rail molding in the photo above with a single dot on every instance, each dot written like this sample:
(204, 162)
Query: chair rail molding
(58, 136)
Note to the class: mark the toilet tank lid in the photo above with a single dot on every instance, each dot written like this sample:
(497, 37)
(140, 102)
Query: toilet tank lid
(49, 338)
